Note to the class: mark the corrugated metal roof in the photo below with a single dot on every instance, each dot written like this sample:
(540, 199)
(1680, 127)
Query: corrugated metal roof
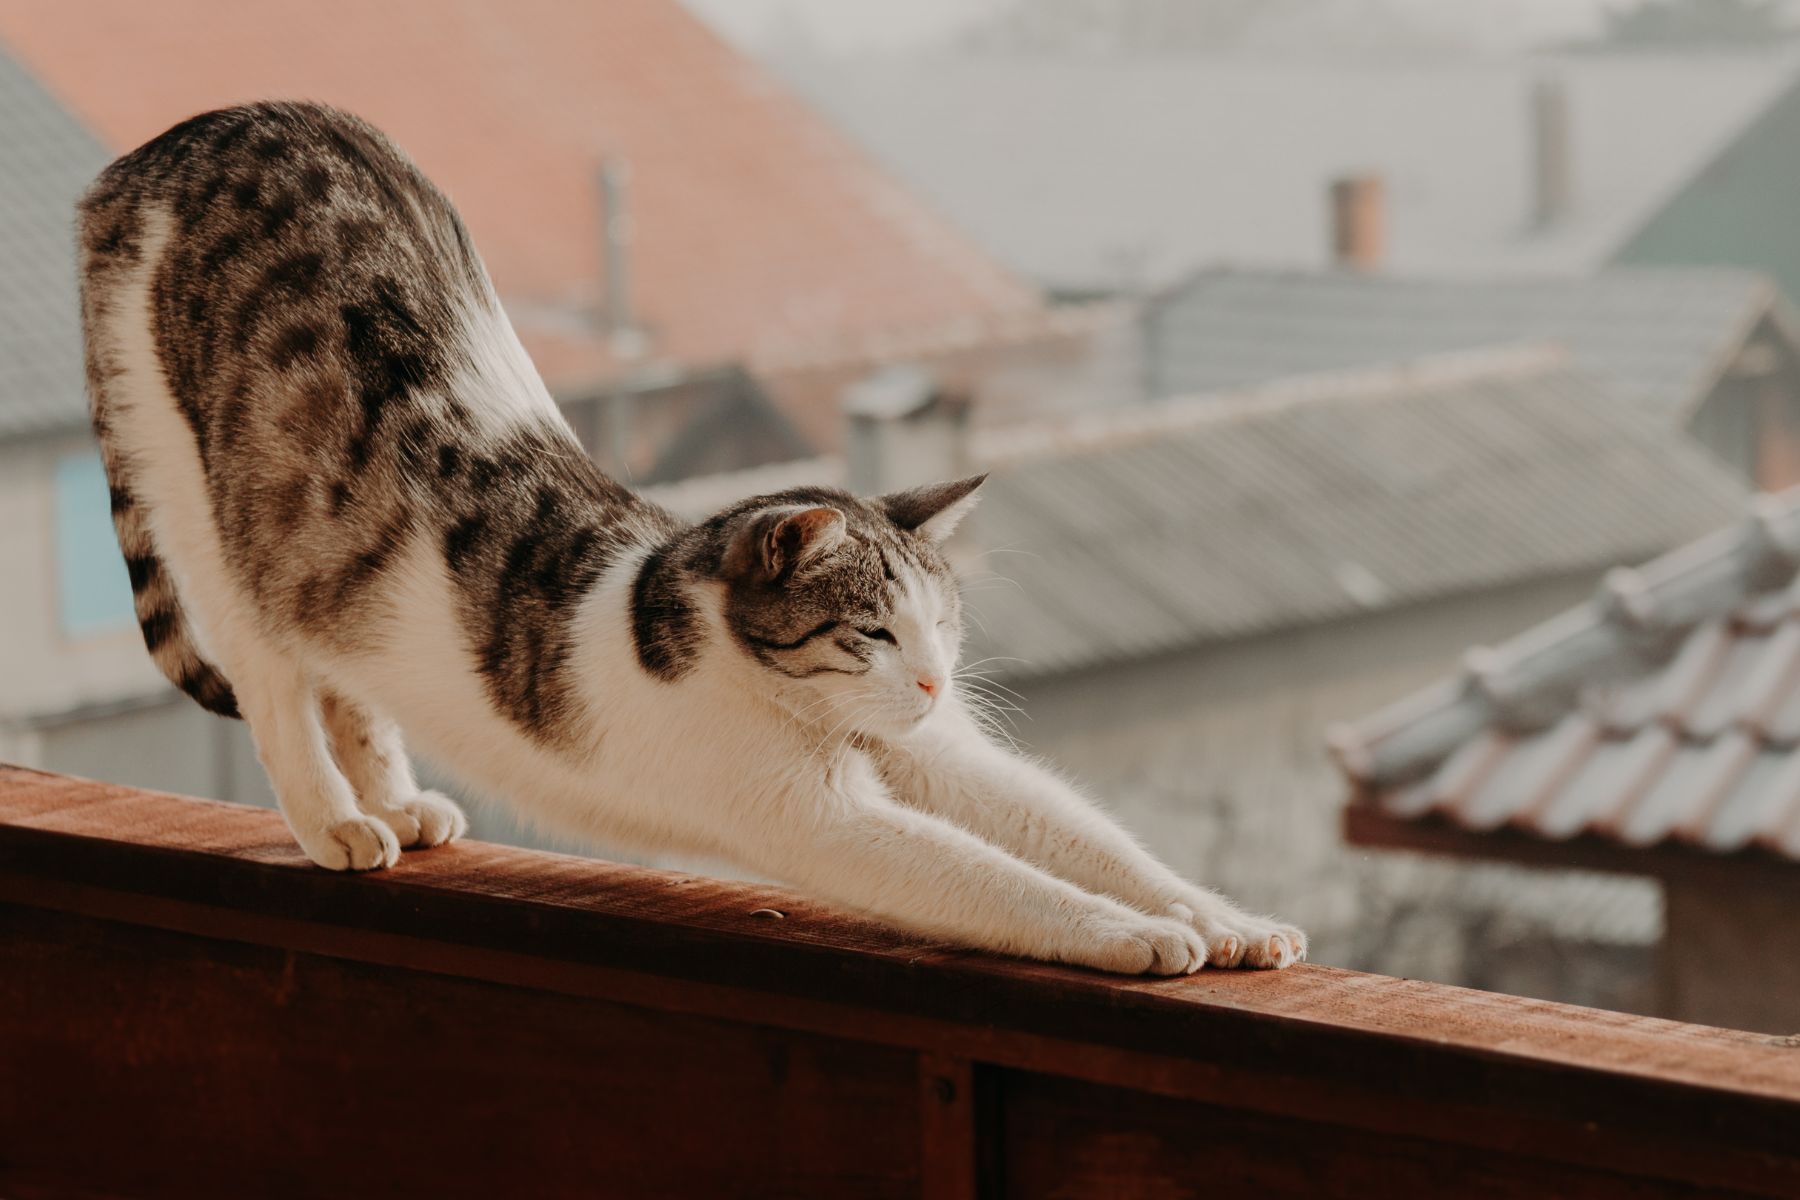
(1667, 709)
(1659, 334)
(1133, 532)
(46, 159)
(1367, 494)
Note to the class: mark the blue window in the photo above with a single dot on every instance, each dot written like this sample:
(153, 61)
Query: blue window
(91, 587)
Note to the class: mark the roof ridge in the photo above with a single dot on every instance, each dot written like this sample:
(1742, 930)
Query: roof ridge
(1472, 278)
(911, 342)
(1108, 429)
(1634, 620)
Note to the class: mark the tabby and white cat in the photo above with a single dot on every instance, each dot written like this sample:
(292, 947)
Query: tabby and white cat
(349, 507)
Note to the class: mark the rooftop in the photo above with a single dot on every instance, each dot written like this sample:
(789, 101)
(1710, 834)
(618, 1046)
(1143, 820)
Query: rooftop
(1737, 208)
(46, 159)
(756, 226)
(1660, 335)
(564, 1019)
(1666, 711)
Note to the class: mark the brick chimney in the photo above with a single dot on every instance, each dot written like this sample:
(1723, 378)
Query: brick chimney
(1358, 222)
(904, 430)
(1552, 165)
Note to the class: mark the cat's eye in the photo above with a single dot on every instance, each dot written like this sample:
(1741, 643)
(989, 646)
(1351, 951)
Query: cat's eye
(880, 635)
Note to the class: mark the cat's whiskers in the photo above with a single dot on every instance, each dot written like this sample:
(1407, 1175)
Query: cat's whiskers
(991, 658)
(989, 681)
(827, 698)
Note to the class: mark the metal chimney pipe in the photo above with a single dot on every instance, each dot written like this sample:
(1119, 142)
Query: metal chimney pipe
(1553, 171)
(613, 433)
(1358, 222)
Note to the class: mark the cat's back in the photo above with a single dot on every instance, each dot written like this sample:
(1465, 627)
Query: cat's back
(276, 250)
(280, 232)
(238, 180)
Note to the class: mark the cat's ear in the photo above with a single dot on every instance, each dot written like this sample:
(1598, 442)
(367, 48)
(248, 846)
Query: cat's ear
(935, 510)
(774, 542)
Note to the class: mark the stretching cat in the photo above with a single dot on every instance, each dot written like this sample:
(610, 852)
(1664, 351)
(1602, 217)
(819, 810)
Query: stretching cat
(349, 506)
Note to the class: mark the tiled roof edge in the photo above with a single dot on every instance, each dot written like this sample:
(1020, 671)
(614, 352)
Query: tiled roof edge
(1529, 682)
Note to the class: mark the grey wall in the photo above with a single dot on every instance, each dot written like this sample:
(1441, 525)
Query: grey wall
(166, 744)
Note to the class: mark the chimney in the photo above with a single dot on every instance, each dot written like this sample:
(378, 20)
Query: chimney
(1552, 166)
(615, 428)
(613, 181)
(904, 430)
(1357, 222)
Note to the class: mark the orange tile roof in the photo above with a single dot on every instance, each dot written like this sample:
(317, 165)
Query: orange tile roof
(757, 226)
(1665, 711)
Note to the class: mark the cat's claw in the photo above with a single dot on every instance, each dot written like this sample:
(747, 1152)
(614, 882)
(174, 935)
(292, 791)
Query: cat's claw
(427, 819)
(1236, 939)
(359, 844)
(1227, 951)
(1282, 948)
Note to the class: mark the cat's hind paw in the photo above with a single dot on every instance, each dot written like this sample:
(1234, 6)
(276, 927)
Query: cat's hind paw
(427, 819)
(439, 818)
(359, 844)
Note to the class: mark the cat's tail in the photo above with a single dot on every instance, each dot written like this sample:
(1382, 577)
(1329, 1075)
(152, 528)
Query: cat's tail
(160, 615)
(109, 249)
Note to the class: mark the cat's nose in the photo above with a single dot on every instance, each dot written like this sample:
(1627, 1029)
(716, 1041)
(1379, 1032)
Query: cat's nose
(928, 685)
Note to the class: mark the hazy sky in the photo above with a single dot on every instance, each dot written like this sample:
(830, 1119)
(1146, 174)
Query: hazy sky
(842, 25)
(851, 25)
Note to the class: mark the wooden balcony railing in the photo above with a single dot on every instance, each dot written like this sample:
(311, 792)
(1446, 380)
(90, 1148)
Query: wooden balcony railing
(188, 1009)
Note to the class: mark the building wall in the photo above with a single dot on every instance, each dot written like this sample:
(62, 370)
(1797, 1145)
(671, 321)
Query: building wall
(167, 744)
(91, 702)
(1750, 420)
(1721, 934)
(1216, 759)
(46, 669)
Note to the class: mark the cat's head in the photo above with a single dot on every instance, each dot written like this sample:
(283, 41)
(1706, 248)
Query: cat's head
(848, 604)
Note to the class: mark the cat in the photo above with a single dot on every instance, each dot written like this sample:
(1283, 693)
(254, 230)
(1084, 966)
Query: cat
(349, 507)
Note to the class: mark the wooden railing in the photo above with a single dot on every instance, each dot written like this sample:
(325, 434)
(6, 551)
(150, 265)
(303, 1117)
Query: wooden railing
(187, 1009)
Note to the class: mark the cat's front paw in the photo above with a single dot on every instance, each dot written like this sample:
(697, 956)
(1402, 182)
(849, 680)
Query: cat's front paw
(359, 844)
(427, 819)
(1141, 945)
(1234, 938)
